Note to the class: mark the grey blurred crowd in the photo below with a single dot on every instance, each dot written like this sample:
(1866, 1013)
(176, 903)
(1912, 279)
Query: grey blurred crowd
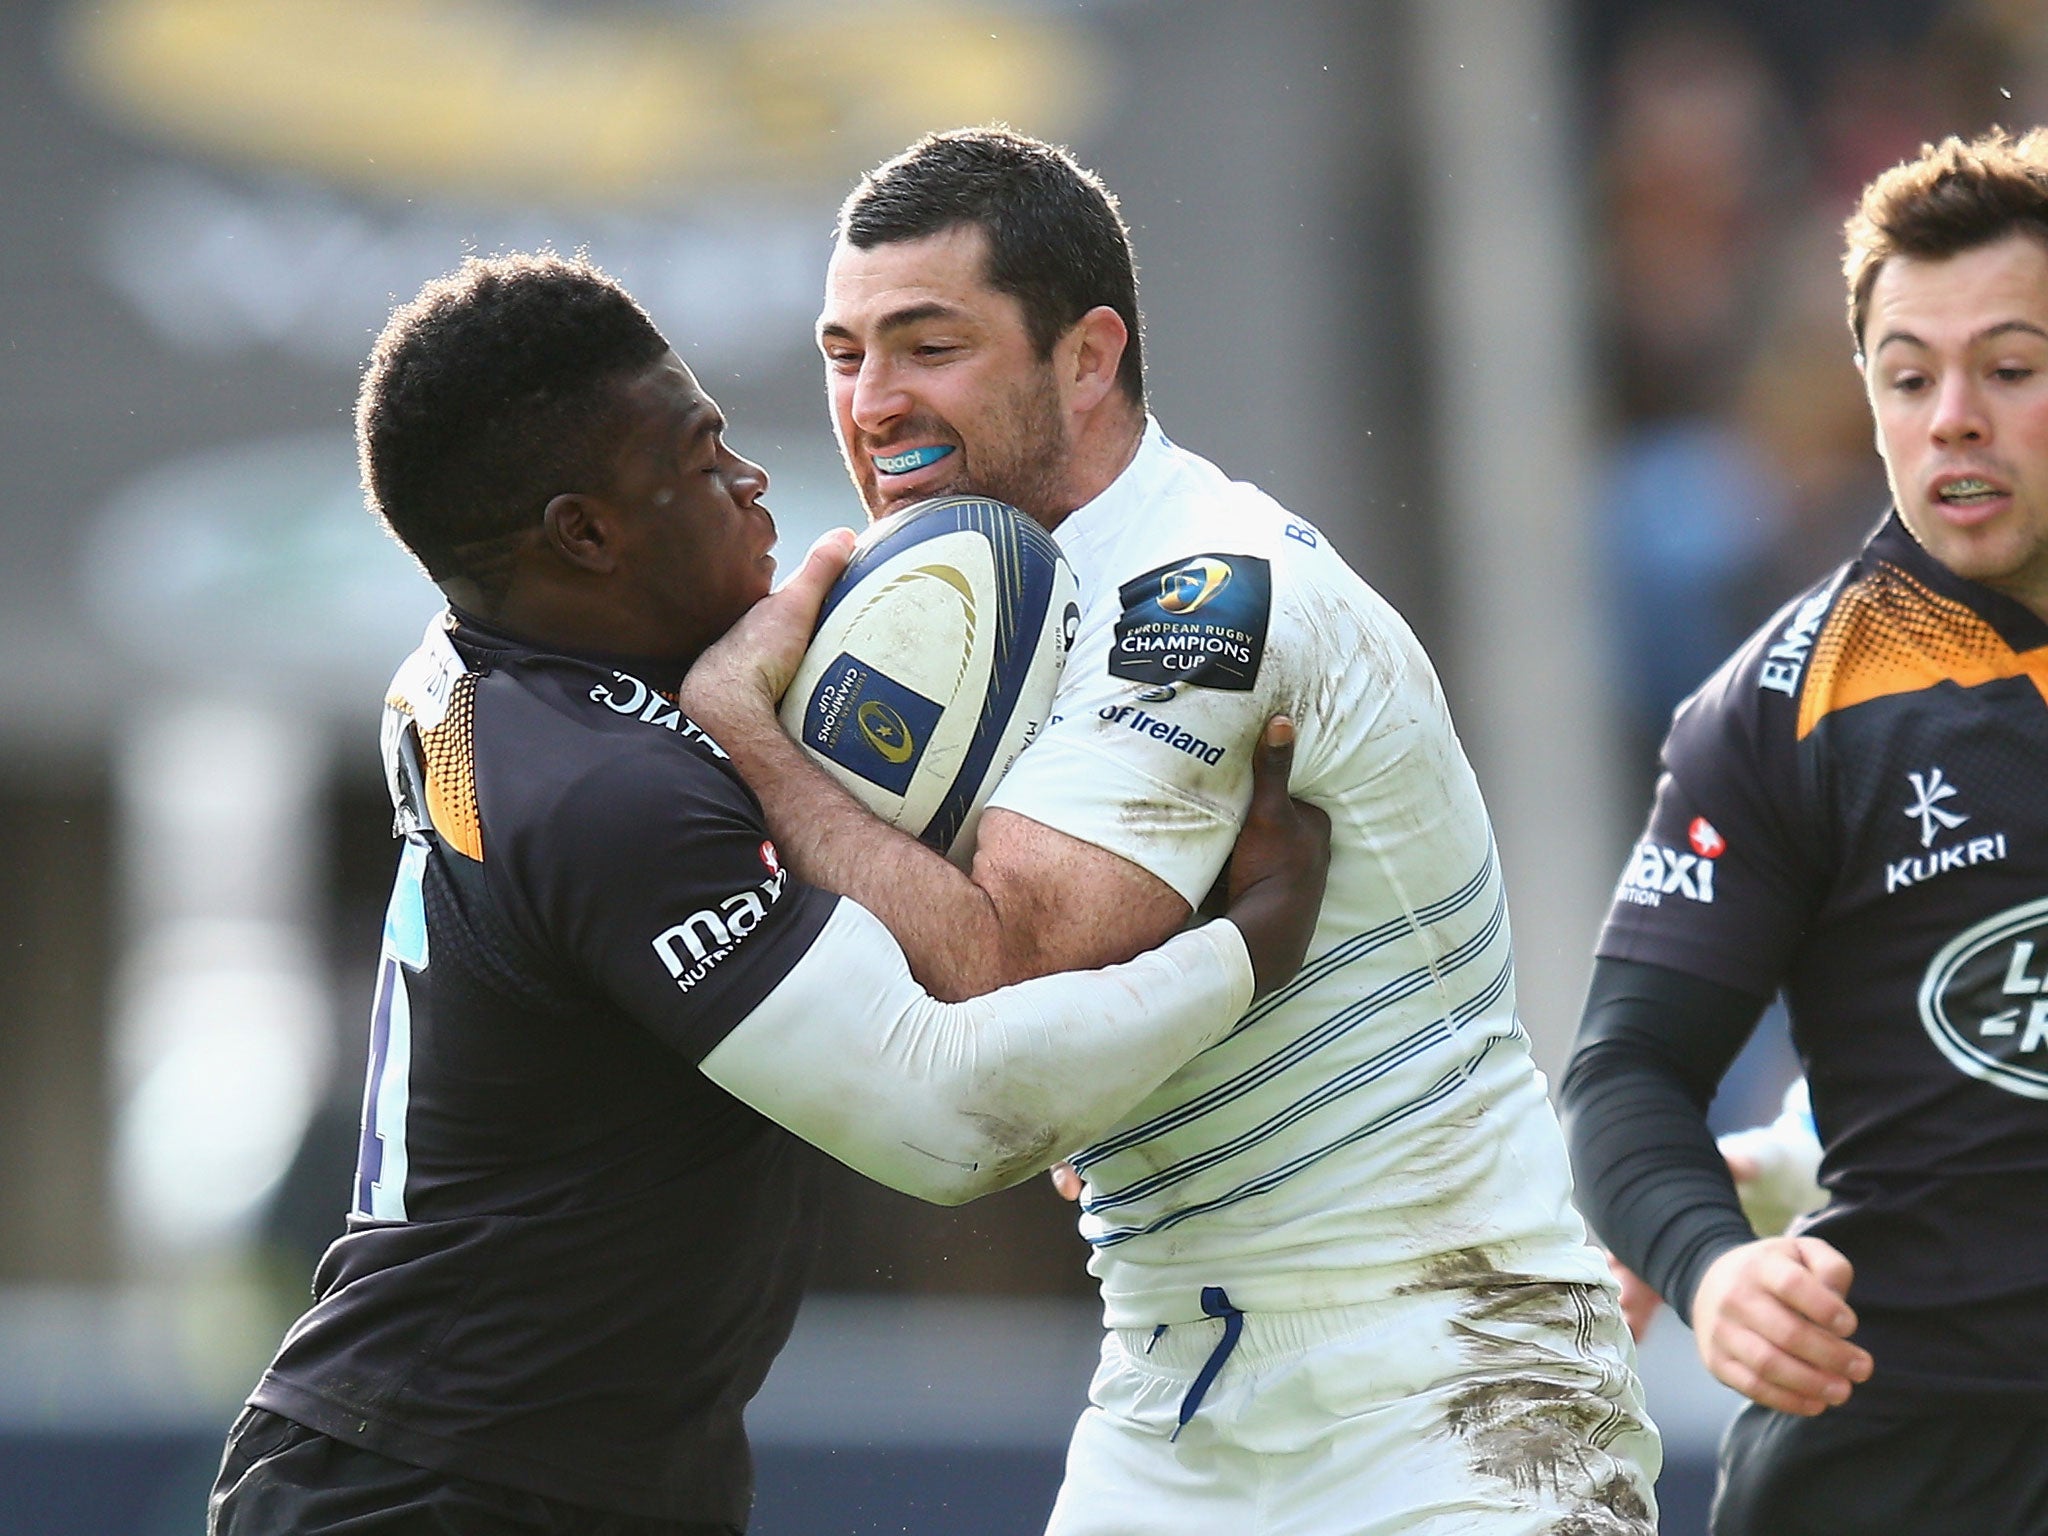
(1731, 142)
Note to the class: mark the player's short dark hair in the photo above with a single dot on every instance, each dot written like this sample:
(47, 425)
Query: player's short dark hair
(1953, 197)
(488, 395)
(1056, 240)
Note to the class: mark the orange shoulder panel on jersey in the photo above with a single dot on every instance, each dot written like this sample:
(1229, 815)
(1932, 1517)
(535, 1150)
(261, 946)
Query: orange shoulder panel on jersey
(1889, 634)
(449, 755)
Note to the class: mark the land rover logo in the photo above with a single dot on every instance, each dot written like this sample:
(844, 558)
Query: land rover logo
(1984, 1000)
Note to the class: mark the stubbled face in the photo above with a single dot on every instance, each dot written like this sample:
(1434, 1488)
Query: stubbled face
(935, 386)
(1957, 374)
(699, 536)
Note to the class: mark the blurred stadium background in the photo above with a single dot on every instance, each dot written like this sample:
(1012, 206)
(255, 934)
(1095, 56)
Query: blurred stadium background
(1533, 305)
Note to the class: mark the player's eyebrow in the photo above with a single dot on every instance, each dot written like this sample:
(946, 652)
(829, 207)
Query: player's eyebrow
(1989, 333)
(700, 422)
(2008, 327)
(893, 320)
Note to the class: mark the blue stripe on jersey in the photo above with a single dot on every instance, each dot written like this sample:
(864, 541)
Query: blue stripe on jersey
(1433, 1034)
(1306, 1044)
(1362, 944)
(1444, 1086)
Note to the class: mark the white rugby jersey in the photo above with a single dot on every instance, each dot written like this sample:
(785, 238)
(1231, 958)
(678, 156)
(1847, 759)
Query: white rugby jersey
(1378, 1124)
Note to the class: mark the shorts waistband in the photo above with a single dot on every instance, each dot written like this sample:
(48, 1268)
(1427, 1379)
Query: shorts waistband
(1181, 1349)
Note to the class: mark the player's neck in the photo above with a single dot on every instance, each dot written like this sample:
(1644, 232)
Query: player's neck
(575, 625)
(1103, 447)
(2032, 595)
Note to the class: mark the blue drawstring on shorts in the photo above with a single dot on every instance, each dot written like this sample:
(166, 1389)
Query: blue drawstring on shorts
(1214, 1304)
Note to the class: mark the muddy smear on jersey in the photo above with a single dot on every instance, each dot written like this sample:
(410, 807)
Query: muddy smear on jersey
(1532, 1418)
(1017, 1148)
(1162, 821)
(1334, 648)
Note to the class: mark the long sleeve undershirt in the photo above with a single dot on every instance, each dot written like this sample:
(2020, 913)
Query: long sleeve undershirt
(1653, 1045)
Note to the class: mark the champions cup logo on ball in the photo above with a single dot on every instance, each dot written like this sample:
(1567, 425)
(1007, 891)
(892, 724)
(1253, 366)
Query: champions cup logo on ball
(888, 722)
(934, 662)
(886, 731)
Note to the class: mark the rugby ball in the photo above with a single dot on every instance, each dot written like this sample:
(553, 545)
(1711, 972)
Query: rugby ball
(934, 663)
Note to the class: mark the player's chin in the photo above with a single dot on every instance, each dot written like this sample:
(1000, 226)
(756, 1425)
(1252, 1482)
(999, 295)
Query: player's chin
(895, 498)
(872, 498)
(1994, 556)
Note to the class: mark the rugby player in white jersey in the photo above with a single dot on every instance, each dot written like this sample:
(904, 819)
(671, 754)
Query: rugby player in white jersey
(1344, 1284)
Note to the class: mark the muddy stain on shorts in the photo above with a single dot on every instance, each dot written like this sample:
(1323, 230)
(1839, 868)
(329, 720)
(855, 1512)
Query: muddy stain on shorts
(1535, 1416)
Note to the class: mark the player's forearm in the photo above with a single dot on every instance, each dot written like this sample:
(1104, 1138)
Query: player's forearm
(1652, 1184)
(1648, 1178)
(948, 927)
(951, 1101)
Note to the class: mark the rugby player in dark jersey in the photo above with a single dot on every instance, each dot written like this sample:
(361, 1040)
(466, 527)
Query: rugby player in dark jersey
(1854, 810)
(611, 1035)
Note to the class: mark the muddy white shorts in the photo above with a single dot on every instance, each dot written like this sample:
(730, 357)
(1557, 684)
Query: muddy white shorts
(1510, 1410)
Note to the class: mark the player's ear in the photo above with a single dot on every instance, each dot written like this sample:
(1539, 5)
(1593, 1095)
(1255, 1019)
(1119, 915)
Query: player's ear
(583, 530)
(1092, 352)
(1867, 388)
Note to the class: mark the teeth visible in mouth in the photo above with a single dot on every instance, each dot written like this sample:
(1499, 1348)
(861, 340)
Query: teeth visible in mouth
(1968, 490)
(912, 458)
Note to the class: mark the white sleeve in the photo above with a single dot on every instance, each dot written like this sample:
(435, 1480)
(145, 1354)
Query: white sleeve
(947, 1101)
(1161, 776)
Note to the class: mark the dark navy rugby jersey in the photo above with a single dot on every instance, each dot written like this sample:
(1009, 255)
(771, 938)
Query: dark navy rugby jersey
(1855, 809)
(572, 1256)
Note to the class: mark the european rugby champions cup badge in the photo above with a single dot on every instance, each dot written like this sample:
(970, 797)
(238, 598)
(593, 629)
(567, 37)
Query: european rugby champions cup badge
(870, 723)
(1201, 620)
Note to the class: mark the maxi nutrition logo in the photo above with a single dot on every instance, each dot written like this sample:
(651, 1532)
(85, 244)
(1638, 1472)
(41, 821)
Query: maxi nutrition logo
(693, 947)
(1656, 870)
